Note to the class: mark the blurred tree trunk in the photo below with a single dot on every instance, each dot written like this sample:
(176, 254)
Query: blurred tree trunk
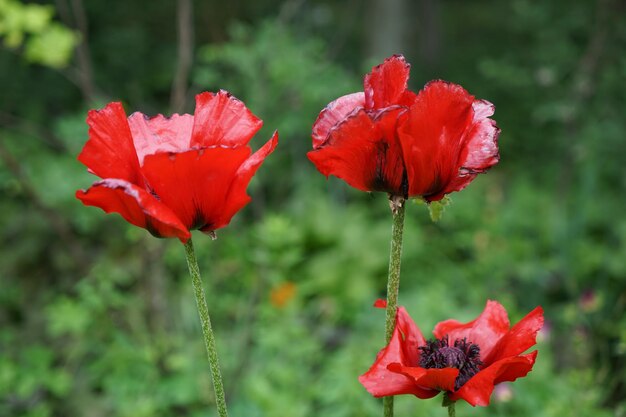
(75, 16)
(429, 33)
(387, 28)
(403, 27)
(185, 55)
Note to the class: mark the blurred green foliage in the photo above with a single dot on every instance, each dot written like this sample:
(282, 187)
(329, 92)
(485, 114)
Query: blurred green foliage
(44, 41)
(96, 316)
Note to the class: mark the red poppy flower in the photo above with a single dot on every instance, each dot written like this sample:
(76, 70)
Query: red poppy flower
(172, 175)
(465, 360)
(390, 139)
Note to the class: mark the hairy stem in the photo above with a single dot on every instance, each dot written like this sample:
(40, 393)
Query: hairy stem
(209, 338)
(449, 404)
(452, 409)
(393, 280)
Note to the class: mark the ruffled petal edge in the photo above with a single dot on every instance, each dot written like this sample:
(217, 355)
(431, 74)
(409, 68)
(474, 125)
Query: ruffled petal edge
(522, 336)
(110, 152)
(386, 84)
(237, 196)
(222, 119)
(159, 133)
(333, 114)
(136, 206)
(485, 330)
(477, 391)
(402, 350)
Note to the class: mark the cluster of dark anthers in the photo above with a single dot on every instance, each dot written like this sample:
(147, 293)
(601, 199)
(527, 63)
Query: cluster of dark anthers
(464, 355)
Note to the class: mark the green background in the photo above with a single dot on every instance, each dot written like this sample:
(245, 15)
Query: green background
(97, 317)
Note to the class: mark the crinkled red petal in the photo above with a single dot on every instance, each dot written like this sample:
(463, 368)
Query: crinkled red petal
(380, 381)
(480, 151)
(136, 206)
(522, 336)
(160, 134)
(432, 380)
(477, 391)
(386, 84)
(485, 330)
(109, 152)
(462, 180)
(433, 137)
(412, 337)
(411, 334)
(364, 152)
(222, 120)
(237, 197)
(403, 350)
(195, 184)
(333, 114)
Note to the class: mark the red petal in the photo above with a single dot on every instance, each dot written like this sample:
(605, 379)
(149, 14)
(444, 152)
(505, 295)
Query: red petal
(137, 207)
(485, 330)
(237, 197)
(380, 303)
(221, 119)
(160, 134)
(521, 336)
(432, 137)
(463, 179)
(380, 381)
(364, 152)
(413, 337)
(433, 379)
(195, 184)
(480, 151)
(109, 152)
(477, 391)
(386, 84)
(334, 113)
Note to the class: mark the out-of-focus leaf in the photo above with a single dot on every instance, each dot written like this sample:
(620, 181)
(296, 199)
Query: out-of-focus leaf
(52, 47)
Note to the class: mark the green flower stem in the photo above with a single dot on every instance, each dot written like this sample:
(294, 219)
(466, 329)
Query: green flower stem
(209, 338)
(393, 281)
(451, 405)
(452, 409)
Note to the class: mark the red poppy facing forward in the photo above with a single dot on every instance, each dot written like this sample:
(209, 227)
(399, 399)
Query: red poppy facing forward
(390, 139)
(172, 175)
(464, 360)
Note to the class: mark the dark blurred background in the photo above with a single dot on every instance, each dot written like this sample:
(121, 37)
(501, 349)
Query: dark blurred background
(97, 317)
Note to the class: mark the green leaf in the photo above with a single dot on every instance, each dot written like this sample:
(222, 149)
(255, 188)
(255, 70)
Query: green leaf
(36, 18)
(17, 19)
(436, 208)
(67, 316)
(52, 47)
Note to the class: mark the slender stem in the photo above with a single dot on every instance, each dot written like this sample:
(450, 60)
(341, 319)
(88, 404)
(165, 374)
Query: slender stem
(393, 280)
(448, 403)
(452, 409)
(388, 406)
(209, 338)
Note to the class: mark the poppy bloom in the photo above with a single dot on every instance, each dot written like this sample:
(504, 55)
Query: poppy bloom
(387, 138)
(172, 175)
(464, 360)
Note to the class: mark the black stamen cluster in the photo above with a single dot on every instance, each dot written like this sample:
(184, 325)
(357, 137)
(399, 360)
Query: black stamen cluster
(464, 355)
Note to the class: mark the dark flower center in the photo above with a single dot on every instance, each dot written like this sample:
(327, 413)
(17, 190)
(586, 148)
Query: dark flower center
(464, 356)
